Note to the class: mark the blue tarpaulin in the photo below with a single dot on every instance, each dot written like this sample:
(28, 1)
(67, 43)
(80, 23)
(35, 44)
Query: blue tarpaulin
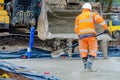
(9, 67)
(36, 53)
(39, 53)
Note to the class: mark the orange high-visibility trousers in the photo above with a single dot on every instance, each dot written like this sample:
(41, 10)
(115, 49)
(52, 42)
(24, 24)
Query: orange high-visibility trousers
(88, 46)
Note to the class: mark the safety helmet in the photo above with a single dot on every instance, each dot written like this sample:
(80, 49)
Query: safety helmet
(87, 6)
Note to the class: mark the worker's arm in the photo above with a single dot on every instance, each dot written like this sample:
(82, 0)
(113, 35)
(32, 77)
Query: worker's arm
(99, 19)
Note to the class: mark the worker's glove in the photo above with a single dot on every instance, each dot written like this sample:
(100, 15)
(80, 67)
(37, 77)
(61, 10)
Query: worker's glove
(106, 31)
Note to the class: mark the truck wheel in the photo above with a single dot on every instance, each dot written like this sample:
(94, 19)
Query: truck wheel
(116, 34)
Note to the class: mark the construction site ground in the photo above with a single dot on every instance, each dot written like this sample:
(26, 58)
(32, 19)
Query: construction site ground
(107, 69)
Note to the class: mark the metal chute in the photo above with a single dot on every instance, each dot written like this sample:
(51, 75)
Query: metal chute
(57, 17)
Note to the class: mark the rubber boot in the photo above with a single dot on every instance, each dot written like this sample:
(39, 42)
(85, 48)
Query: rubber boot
(85, 62)
(90, 63)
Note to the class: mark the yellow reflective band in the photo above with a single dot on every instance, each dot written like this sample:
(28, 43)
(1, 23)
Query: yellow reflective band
(96, 17)
(93, 51)
(102, 23)
(87, 20)
(76, 26)
(81, 50)
(87, 30)
(91, 14)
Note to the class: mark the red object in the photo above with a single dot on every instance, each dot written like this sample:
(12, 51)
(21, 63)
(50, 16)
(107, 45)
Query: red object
(39, 4)
(63, 57)
(46, 73)
(23, 57)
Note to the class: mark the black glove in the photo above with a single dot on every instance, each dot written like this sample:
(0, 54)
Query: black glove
(106, 31)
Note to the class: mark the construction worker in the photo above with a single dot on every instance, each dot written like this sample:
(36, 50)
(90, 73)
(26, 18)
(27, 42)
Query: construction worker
(85, 30)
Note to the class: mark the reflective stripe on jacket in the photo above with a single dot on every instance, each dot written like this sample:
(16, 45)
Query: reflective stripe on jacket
(84, 22)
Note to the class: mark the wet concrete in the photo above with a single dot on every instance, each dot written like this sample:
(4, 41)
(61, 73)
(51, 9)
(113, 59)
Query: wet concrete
(107, 69)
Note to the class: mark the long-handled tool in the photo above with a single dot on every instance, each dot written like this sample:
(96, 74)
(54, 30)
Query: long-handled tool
(60, 52)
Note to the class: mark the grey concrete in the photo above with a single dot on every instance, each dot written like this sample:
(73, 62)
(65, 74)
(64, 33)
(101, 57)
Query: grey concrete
(108, 69)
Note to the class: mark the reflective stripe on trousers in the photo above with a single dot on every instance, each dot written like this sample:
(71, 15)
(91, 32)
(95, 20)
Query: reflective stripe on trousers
(88, 44)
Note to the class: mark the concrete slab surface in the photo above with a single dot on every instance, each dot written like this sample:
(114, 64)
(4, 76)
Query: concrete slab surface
(107, 69)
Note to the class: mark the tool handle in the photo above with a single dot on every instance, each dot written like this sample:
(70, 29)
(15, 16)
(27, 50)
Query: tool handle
(76, 44)
(100, 33)
(55, 53)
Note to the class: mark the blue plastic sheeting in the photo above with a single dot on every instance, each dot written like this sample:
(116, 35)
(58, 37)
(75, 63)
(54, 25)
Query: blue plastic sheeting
(112, 52)
(39, 53)
(34, 76)
(36, 53)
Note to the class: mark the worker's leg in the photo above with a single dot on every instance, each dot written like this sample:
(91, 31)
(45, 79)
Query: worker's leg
(93, 47)
(90, 61)
(83, 47)
(84, 59)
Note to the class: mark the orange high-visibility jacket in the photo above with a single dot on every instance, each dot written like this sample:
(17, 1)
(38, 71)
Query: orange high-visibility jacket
(84, 22)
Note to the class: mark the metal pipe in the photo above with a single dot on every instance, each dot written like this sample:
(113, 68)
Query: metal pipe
(110, 13)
